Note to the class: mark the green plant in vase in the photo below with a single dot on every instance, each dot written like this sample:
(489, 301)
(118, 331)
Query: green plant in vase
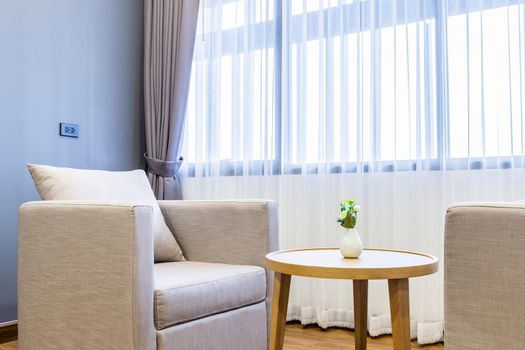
(351, 245)
(348, 213)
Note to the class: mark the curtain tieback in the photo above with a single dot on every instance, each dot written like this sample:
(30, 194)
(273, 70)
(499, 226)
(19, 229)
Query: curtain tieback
(164, 168)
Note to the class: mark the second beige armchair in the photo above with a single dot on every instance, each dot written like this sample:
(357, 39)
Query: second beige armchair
(484, 276)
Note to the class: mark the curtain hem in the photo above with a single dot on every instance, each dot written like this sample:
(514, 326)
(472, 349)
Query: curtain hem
(426, 332)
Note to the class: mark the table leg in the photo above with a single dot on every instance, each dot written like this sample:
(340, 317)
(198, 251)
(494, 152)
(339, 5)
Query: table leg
(281, 291)
(360, 313)
(400, 313)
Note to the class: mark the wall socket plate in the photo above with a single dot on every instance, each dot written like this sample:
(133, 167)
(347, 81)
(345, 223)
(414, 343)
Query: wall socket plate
(69, 130)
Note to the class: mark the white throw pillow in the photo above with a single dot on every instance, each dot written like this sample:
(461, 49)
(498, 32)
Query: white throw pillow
(53, 183)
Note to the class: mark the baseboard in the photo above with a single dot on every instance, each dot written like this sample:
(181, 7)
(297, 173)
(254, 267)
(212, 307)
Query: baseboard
(8, 331)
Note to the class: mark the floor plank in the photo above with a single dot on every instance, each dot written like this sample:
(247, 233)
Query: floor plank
(298, 337)
(9, 346)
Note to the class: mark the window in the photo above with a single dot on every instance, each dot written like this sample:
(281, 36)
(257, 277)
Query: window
(355, 86)
(486, 95)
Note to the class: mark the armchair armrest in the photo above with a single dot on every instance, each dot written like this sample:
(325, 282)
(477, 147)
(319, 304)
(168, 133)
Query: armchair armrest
(484, 277)
(85, 276)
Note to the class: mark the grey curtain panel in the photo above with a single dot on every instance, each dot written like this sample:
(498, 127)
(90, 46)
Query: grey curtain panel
(169, 37)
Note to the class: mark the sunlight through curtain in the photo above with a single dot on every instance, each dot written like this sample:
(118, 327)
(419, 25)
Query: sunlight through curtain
(408, 106)
(302, 87)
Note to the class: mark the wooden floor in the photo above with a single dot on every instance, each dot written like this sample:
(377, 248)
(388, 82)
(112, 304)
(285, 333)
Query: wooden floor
(312, 337)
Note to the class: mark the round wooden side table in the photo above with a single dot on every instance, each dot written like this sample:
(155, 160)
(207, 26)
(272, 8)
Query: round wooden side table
(374, 264)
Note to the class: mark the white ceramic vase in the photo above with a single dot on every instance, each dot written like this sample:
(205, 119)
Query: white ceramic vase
(351, 246)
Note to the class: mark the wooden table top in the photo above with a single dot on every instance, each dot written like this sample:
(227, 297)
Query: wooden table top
(371, 265)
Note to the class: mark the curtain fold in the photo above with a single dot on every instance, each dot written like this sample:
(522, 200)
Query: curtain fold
(169, 38)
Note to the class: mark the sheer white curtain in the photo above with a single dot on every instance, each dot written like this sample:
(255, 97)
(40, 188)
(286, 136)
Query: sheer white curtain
(405, 105)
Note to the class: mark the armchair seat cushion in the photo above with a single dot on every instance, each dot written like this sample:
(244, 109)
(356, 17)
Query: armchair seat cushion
(188, 290)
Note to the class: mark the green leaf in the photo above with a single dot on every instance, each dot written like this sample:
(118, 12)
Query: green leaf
(347, 214)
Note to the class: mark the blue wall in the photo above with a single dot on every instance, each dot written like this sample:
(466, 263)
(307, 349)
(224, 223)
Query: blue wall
(77, 61)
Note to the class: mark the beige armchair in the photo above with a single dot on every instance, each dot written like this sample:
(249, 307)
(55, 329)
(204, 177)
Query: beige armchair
(87, 278)
(485, 277)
